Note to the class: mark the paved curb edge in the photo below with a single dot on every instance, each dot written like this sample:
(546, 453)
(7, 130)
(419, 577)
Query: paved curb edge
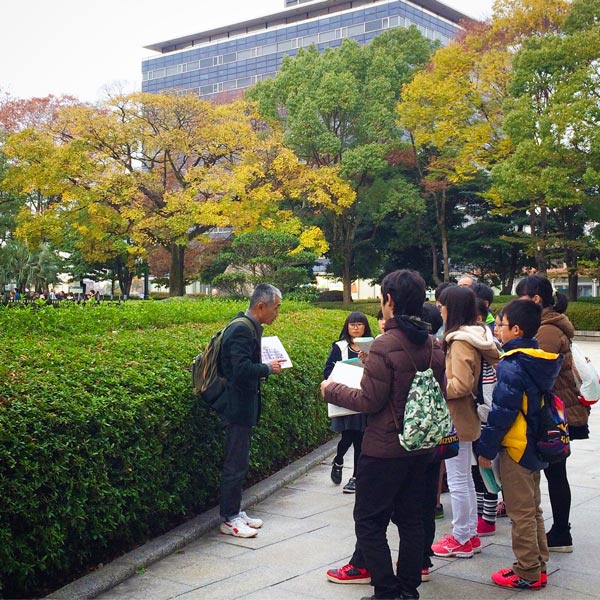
(114, 573)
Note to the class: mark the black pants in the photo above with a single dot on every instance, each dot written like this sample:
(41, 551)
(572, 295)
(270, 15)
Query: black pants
(560, 495)
(350, 437)
(236, 458)
(385, 486)
(432, 476)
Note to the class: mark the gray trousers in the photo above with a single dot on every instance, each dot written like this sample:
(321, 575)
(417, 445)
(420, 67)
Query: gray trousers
(236, 458)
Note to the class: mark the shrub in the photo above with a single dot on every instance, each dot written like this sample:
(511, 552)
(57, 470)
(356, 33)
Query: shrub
(102, 444)
(331, 296)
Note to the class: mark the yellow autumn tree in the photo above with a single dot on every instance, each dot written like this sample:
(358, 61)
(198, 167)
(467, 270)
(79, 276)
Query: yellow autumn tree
(453, 109)
(172, 168)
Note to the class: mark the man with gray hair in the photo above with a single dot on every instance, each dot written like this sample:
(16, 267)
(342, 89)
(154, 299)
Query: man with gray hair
(240, 364)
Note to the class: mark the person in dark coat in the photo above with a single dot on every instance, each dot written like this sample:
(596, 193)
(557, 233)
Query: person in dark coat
(390, 479)
(239, 406)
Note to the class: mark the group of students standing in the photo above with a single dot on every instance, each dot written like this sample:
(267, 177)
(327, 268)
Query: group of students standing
(527, 348)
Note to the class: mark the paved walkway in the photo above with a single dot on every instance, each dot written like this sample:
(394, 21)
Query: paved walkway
(309, 528)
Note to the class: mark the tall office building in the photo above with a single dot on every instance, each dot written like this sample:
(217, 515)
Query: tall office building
(235, 57)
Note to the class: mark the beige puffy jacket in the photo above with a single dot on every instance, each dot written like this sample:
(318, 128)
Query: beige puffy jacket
(464, 349)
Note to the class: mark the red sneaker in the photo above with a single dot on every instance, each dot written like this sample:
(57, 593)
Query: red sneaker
(476, 543)
(508, 578)
(544, 578)
(349, 574)
(484, 528)
(449, 546)
(424, 574)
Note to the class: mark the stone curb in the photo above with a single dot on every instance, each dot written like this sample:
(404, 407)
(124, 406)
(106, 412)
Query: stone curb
(110, 575)
(587, 336)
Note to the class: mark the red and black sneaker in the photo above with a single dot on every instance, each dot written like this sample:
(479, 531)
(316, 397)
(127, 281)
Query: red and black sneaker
(508, 578)
(349, 574)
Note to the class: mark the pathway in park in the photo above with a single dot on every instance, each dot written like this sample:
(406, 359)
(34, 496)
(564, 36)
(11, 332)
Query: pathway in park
(309, 529)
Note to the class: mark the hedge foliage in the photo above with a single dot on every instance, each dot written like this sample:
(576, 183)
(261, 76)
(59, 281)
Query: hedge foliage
(102, 445)
(584, 314)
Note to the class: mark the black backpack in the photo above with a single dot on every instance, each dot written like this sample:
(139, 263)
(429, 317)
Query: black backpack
(207, 381)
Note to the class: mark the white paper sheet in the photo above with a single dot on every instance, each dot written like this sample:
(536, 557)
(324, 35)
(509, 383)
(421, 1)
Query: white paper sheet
(272, 349)
(349, 375)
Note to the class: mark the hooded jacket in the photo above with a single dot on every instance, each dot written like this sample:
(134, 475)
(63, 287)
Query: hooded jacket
(555, 335)
(465, 349)
(524, 372)
(385, 383)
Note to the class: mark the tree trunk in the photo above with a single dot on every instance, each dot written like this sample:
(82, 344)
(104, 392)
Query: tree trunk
(434, 264)
(176, 278)
(440, 217)
(346, 281)
(539, 234)
(124, 277)
(510, 279)
(571, 260)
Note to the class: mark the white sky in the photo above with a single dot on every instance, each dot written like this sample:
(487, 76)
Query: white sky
(79, 47)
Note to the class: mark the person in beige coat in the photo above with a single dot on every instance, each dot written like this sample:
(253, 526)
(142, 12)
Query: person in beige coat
(467, 342)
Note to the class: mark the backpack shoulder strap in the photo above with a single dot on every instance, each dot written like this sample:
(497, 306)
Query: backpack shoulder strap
(409, 355)
(246, 321)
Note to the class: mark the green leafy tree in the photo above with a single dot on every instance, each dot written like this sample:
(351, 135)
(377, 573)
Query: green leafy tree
(265, 257)
(552, 119)
(338, 110)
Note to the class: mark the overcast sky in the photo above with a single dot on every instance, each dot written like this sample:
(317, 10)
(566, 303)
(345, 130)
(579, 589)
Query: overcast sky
(79, 47)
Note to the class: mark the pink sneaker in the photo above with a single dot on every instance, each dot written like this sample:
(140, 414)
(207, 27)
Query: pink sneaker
(476, 544)
(484, 528)
(449, 546)
(349, 574)
(508, 578)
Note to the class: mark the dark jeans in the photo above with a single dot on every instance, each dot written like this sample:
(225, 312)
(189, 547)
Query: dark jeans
(236, 458)
(385, 486)
(560, 495)
(350, 437)
(432, 476)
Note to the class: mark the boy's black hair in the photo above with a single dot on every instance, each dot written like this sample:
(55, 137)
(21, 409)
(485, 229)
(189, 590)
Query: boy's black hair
(380, 315)
(355, 317)
(432, 315)
(441, 287)
(407, 289)
(484, 292)
(482, 308)
(526, 314)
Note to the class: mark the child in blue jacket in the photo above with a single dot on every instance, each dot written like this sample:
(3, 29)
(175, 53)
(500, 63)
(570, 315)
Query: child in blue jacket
(524, 373)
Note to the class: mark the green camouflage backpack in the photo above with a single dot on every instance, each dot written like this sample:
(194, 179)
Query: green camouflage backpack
(426, 416)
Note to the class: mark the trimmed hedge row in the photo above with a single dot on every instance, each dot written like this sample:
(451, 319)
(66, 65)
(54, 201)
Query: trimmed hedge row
(102, 445)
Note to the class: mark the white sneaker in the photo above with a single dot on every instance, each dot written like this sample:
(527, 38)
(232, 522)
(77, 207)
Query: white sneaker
(251, 521)
(237, 527)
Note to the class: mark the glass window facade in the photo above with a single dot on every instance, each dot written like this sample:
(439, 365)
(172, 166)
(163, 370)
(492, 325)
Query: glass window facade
(238, 62)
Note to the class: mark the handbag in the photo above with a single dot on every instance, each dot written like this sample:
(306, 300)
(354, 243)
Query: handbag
(448, 446)
(586, 377)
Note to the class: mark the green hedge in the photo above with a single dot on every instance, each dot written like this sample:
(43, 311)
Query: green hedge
(584, 314)
(102, 445)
